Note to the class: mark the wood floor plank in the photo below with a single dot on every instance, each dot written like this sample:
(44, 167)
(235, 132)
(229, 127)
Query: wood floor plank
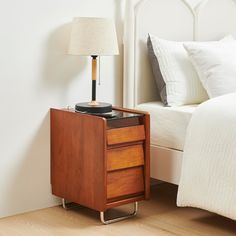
(159, 216)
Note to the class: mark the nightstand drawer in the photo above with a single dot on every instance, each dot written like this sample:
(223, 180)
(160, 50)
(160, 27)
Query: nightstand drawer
(125, 157)
(125, 182)
(125, 135)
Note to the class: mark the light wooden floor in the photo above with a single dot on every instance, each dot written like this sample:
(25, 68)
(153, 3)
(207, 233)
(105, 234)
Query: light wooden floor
(159, 216)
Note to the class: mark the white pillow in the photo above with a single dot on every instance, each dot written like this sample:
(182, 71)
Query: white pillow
(215, 64)
(176, 78)
(180, 83)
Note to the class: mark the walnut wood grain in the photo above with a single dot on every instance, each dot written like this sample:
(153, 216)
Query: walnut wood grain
(125, 182)
(125, 200)
(124, 157)
(146, 122)
(78, 158)
(125, 135)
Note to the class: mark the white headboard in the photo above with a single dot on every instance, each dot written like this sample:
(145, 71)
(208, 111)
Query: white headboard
(173, 20)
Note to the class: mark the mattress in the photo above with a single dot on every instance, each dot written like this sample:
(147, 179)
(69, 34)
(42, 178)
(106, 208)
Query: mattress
(168, 124)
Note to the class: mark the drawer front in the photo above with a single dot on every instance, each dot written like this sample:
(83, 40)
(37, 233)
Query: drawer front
(125, 182)
(125, 135)
(125, 157)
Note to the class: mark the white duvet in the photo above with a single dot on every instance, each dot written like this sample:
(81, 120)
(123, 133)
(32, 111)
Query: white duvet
(208, 178)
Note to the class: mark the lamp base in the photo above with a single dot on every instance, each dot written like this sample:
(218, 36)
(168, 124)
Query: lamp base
(101, 107)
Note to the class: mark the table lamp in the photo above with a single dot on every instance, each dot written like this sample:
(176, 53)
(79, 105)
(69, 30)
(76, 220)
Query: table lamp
(93, 37)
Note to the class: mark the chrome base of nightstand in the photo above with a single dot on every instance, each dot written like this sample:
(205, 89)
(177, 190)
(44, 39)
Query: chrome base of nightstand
(102, 213)
(106, 222)
(64, 204)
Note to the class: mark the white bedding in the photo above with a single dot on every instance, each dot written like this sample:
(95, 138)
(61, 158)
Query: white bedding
(208, 178)
(168, 124)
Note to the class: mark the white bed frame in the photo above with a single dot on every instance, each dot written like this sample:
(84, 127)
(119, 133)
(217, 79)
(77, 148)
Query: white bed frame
(174, 20)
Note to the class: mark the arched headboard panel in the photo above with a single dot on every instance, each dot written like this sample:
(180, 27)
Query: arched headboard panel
(217, 19)
(170, 19)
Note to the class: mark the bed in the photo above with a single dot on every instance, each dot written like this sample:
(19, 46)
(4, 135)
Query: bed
(193, 146)
(184, 20)
(167, 138)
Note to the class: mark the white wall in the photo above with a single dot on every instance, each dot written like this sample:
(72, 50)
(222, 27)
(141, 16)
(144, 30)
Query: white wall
(35, 74)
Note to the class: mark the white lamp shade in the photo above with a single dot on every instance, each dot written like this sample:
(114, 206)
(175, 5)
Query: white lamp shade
(93, 36)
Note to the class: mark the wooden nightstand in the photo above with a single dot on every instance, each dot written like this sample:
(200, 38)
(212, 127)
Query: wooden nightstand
(100, 163)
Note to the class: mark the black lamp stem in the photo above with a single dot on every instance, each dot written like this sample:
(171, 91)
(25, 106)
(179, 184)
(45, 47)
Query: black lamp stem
(93, 90)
